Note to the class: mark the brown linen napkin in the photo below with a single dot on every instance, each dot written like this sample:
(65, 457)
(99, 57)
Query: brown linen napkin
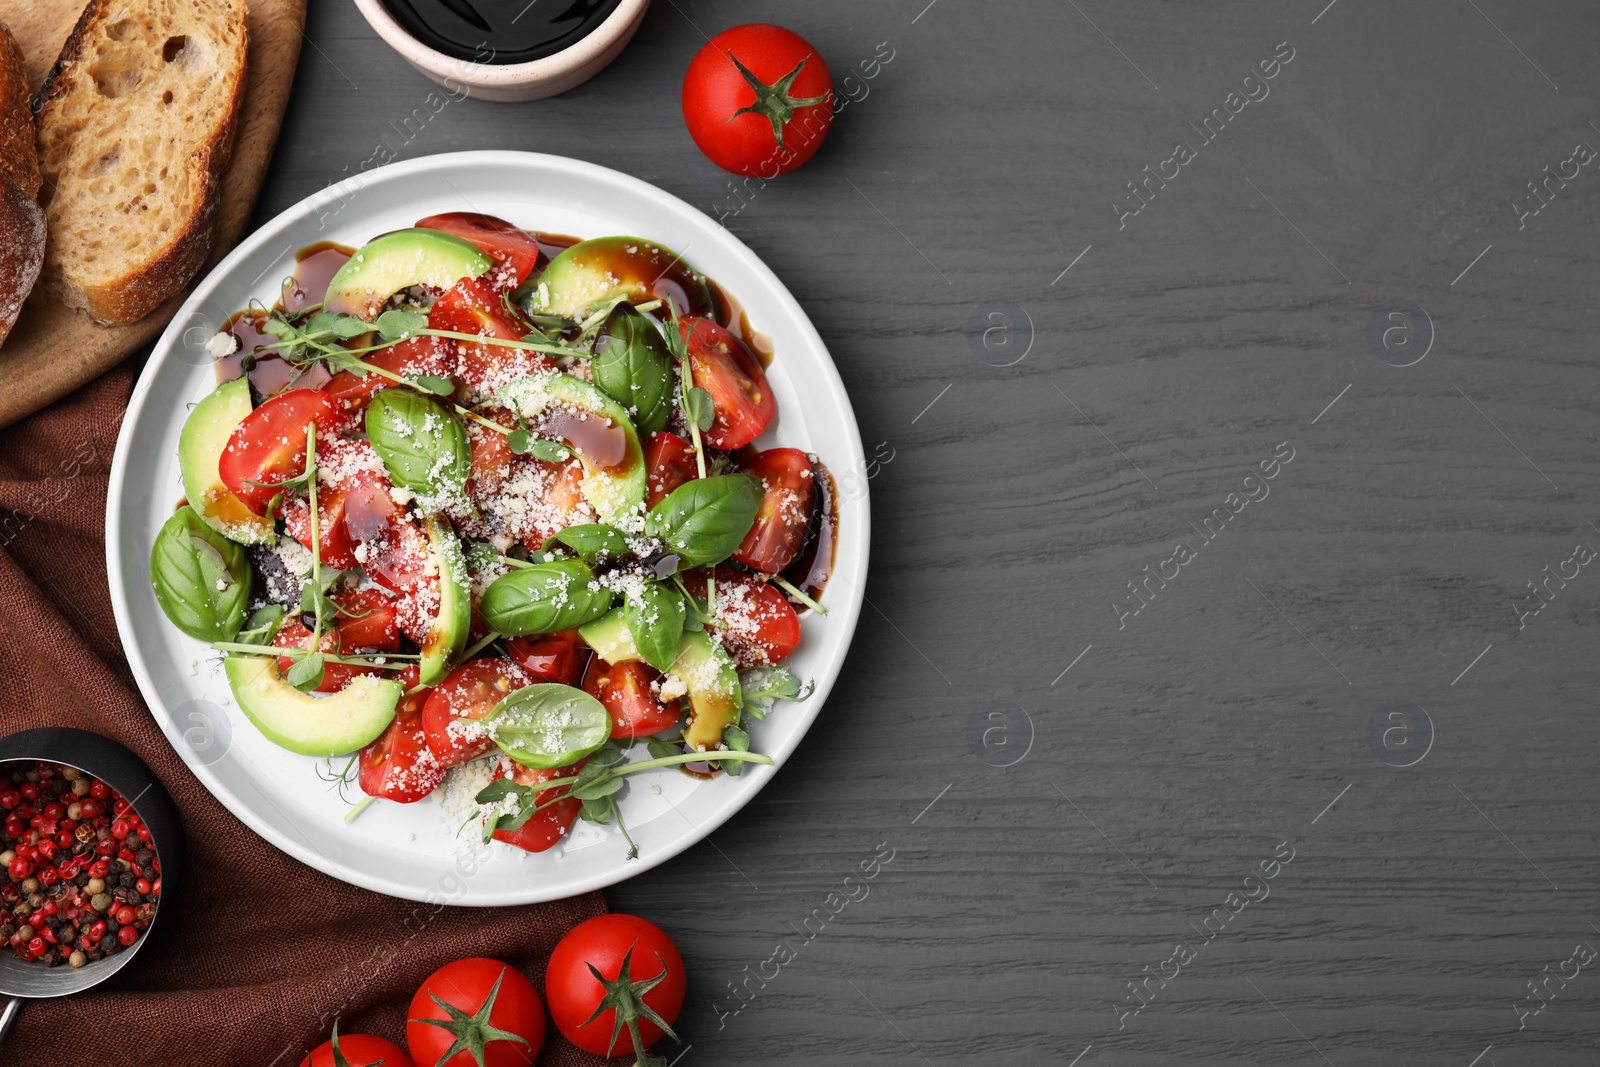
(258, 952)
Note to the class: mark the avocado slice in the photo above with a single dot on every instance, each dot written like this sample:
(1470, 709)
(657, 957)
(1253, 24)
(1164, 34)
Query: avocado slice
(593, 272)
(385, 265)
(204, 435)
(448, 634)
(715, 697)
(558, 405)
(311, 725)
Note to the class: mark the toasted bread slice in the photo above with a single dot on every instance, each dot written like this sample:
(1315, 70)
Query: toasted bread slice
(22, 226)
(136, 125)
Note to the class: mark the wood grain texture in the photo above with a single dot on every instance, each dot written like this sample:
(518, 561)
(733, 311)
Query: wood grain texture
(54, 349)
(1227, 715)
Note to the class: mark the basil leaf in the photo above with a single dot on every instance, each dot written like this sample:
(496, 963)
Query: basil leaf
(632, 364)
(699, 409)
(704, 520)
(262, 626)
(201, 579)
(550, 451)
(397, 325)
(548, 725)
(544, 598)
(655, 616)
(591, 540)
(423, 447)
(435, 384)
(305, 673)
(520, 442)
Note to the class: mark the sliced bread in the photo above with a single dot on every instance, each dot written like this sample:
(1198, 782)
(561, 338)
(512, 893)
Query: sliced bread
(22, 227)
(135, 127)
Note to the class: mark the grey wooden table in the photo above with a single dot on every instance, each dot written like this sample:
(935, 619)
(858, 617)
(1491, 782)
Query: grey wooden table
(1085, 268)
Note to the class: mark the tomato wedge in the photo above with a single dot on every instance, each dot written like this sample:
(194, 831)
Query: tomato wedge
(624, 688)
(491, 458)
(494, 237)
(399, 765)
(475, 306)
(372, 625)
(269, 444)
(787, 493)
(669, 459)
(761, 626)
(456, 704)
(557, 657)
(434, 356)
(726, 369)
(335, 676)
(357, 508)
(549, 826)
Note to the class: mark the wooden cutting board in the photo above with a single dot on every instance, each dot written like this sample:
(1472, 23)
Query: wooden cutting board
(53, 349)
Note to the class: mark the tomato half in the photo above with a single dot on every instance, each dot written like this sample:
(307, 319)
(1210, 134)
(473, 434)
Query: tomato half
(269, 444)
(371, 625)
(450, 716)
(780, 128)
(624, 688)
(760, 627)
(434, 356)
(787, 493)
(469, 986)
(669, 459)
(725, 368)
(557, 657)
(357, 1050)
(335, 676)
(546, 828)
(475, 306)
(399, 765)
(603, 942)
(494, 237)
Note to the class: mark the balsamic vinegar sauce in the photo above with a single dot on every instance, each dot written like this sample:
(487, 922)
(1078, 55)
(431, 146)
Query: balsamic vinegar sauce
(500, 31)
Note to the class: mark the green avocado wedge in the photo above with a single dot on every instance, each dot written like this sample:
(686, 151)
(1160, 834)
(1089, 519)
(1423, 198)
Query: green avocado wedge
(311, 725)
(385, 265)
(593, 272)
(448, 634)
(558, 405)
(204, 435)
(703, 666)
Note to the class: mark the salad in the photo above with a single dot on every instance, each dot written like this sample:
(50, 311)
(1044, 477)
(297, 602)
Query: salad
(474, 493)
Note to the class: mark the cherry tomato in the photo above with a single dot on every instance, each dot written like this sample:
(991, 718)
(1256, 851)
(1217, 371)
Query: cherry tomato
(492, 995)
(357, 508)
(491, 461)
(603, 942)
(371, 626)
(557, 657)
(357, 1050)
(335, 676)
(475, 306)
(757, 100)
(269, 445)
(724, 367)
(400, 558)
(786, 497)
(434, 356)
(670, 462)
(547, 827)
(456, 704)
(399, 765)
(624, 688)
(494, 237)
(761, 626)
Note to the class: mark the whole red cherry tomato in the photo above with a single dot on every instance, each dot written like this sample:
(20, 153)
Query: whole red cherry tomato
(356, 1050)
(499, 1013)
(612, 944)
(758, 100)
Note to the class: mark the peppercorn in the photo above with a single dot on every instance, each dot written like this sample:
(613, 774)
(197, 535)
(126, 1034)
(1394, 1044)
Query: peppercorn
(25, 932)
(77, 959)
(100, 902)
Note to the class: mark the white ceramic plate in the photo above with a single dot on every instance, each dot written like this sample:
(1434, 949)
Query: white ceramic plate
(412, 850)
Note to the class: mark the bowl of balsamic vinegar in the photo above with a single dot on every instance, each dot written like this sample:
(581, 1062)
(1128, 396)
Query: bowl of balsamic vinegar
(506, 50)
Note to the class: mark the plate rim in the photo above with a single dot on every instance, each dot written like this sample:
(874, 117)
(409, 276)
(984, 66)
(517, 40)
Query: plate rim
(846, 614)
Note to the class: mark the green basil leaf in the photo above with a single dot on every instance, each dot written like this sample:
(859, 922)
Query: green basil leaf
(704, 520)
(550, 451)
(435, 384)
(632, 364)
(699, 408)
(593, 541)
(548, 725)
(201, 579)
(305, 673)
(544, 598)
(655, 616)
(262, 626)
(397, 325)
(423, 446)
(520, 442)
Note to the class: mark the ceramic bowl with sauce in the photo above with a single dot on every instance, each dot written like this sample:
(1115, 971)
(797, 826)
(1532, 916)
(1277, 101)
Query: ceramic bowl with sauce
(506, 50)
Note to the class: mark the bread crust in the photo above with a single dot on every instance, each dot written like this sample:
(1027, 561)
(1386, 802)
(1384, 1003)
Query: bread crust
(184, 248)
(22, 221)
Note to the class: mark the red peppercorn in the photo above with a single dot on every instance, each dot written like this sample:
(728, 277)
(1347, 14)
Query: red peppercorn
(20, 868)
(98, 789)
(99, 868)
(15, 827)
(127, 935)
(47, 848)
(36, 946)
(155, 887)
(54, 810)
(119, 829)
(9, 798)
(49, 876)
(106, 847)
(125, 915)
(30, 790)
(63, 839)
(97, 929)
(90, 808)
(142, 885)
(144, 834)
